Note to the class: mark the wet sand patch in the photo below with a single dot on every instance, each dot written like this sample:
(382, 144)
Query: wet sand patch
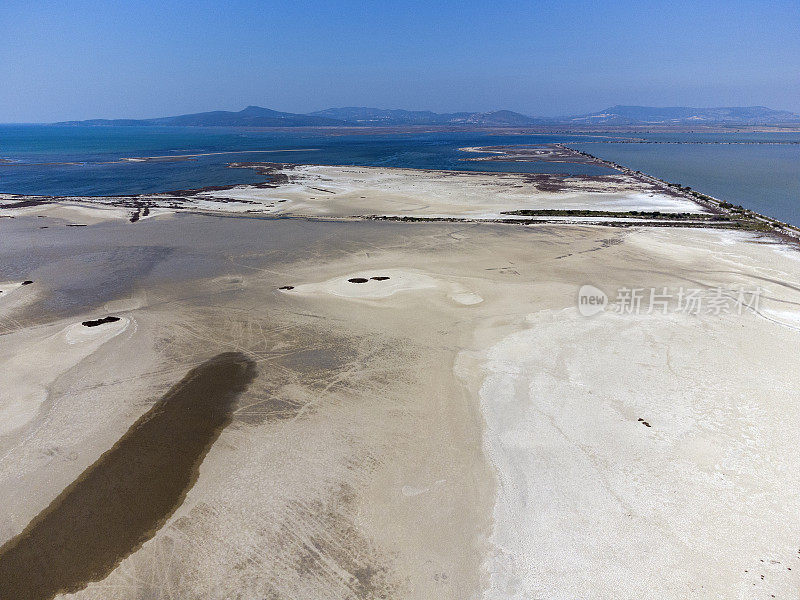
(127, 495)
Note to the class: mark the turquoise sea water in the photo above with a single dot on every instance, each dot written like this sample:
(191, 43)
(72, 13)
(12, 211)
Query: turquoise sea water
(38, 154)
(87, 161)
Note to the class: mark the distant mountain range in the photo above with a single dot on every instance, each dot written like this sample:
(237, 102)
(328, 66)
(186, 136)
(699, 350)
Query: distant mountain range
(255, 116)
(684, 115)
(358, 115)
(252, 116)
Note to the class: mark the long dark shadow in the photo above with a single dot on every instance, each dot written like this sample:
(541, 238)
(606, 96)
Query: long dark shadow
(120, 501)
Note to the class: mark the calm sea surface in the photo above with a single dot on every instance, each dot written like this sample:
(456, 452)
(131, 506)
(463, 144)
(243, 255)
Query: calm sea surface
(764, 176)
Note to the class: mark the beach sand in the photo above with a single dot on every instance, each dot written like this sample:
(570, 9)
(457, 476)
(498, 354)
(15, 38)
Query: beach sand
(428, 416)
(650, 455)
(359, 191)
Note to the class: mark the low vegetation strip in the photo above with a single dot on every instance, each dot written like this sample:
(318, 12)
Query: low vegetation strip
(631, 214)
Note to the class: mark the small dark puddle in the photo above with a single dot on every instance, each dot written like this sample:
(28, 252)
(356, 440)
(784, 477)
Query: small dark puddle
(103, 321)
(124, 498)
(380, 278)
(358, 280)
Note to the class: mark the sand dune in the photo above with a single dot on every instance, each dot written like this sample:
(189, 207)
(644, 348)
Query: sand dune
(34, 360)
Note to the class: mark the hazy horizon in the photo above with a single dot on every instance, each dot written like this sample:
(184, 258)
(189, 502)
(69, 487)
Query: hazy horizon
(149, 59)
(380, 108)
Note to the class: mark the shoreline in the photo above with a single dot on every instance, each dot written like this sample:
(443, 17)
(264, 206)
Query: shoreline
(276, 176)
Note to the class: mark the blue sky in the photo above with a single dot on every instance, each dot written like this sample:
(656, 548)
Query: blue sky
(80, 58)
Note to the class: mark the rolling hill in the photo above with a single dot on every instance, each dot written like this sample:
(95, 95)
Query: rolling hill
(359, 116)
